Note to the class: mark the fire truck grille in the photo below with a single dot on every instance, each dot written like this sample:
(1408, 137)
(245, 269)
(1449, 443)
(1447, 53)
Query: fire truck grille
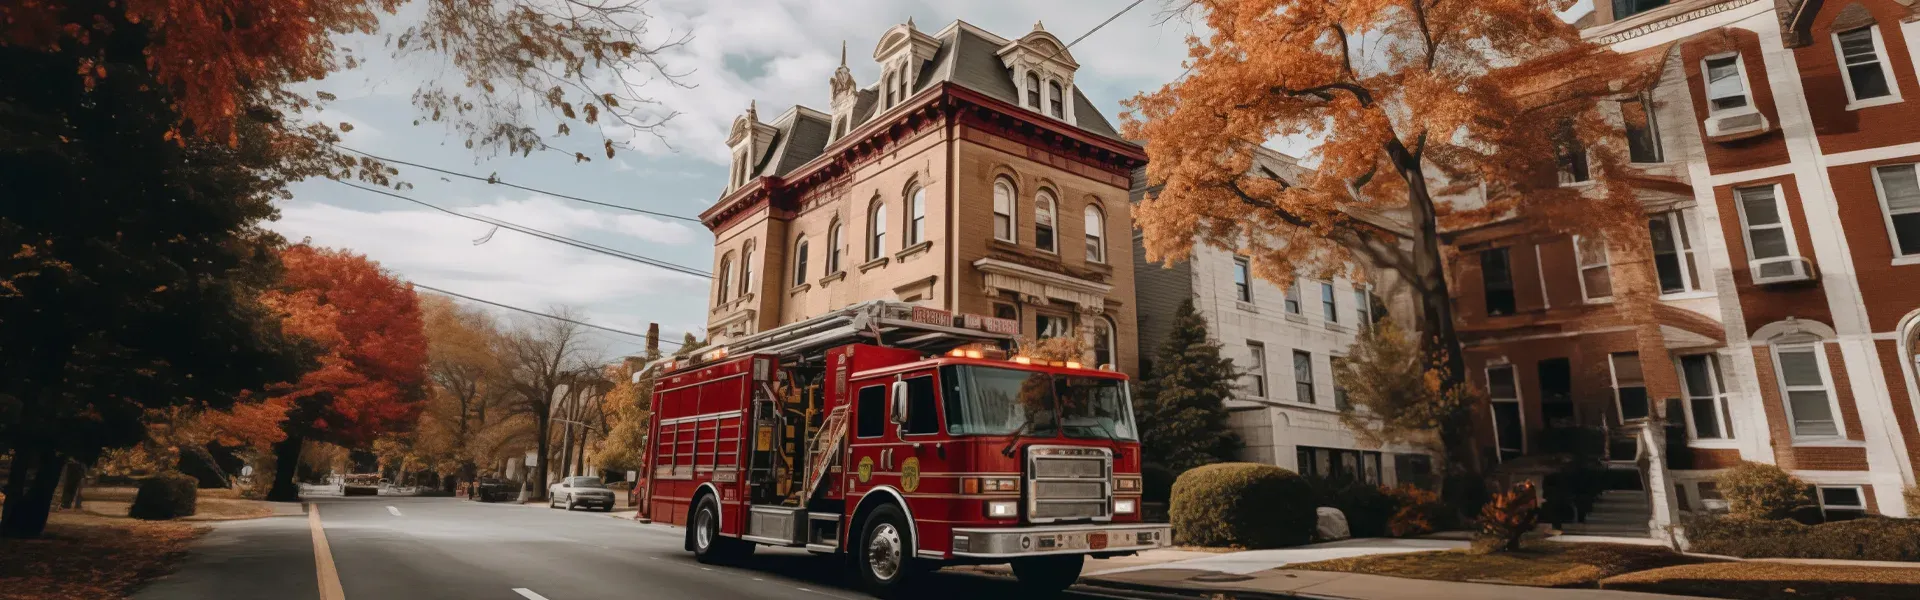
(1068, 483)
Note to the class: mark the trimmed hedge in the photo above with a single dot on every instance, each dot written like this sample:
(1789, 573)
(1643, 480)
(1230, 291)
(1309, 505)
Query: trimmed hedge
(1869, 538)
(1763, 491)
(164, 496)
(1243, 505)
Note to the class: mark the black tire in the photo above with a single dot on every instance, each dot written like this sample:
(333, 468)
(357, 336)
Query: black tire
(1046, 576)
(569, 502)
(713, 548)
(886, 531)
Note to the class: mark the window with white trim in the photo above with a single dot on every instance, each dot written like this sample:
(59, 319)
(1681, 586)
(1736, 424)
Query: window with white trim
(1096, 235)
(1293, 297)
(1257, 369)
(1303, 377)
(876, 229)
(833, 247)
(1328, 310)
(746, 270)
(1862, 58)
(1643, 130)
(1726, 84)
(1673, 259)
(1033, 90)
(1763, 220)
(1044, 207)
(916, 215)
(1104, 350)
(1509, 422)
(1899, 189)
(1340, 401)
(1842, 502)
(1362, 307)
(1003, 210)
(1055, 100)
(1242, 279)
(1804, 386)
(725, 278)
(800, 261)
(892, 96)
(1708, 415)
(1052, 326)
(1629, 387)
(1596, 278)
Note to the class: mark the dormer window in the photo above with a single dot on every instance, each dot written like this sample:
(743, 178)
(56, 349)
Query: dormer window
(1055, 103)
(1033, 91)
(888, 85)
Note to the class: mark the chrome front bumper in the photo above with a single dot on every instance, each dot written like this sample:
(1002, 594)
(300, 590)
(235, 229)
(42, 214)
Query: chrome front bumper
(1013, 542)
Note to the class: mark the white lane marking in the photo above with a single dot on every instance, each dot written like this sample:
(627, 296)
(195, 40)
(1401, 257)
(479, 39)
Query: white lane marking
(528, 594)
(394, 510)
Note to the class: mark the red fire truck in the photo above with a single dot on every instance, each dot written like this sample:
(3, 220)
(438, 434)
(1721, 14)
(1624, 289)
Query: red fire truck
(903, 439)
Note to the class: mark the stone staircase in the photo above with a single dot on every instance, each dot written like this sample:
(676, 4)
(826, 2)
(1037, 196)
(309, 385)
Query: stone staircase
(1618, 513)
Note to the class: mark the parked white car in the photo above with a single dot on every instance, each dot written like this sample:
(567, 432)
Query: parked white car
(587, 492)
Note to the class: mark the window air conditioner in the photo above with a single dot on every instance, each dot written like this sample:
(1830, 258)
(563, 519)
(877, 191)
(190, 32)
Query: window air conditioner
(1783, 269)
(1742, 124)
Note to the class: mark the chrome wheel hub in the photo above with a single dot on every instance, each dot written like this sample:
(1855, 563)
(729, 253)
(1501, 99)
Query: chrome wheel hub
(884, 552)
(703, 530)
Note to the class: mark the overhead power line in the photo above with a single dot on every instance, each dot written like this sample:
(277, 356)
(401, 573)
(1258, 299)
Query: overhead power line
(494, 180)
(537, 313)
(1104, 23)
(583, 245)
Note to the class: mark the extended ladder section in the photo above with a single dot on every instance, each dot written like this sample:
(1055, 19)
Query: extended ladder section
(820, 456)
(880, 322)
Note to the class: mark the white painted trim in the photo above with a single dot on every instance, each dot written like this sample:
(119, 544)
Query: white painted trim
(1580, 271)
(1514, 373)
(1854, 157)
(1716, 378)
(1540, 268)
(1739, 177)
(1818, 350)
(913, 527)
(1785, 224)
(1693, 23)
(1879, 56)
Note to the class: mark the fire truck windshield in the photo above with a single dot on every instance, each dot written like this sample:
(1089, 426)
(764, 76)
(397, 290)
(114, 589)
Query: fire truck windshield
(997, 401)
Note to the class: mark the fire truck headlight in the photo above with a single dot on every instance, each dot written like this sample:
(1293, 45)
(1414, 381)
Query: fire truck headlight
(1123, 507)
(1003, 510)
(976, 485)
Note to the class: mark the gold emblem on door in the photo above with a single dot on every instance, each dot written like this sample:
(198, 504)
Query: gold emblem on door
(910, 474)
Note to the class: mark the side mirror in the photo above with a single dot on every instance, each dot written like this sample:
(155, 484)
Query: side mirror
(900, 402)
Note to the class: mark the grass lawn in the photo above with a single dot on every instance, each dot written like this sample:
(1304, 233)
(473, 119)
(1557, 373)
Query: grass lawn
(210, 505)
(1544, 564)
(1762, 580)
(89, 556)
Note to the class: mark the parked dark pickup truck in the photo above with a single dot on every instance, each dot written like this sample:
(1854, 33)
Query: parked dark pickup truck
(490, 489)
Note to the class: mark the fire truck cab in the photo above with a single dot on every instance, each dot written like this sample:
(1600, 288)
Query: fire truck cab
(901, 438)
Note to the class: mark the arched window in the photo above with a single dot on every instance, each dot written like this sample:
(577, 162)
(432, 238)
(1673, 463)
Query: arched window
(1003, 210)
(888, 86)
(1096, 235)
(1055, 101)
(1043, 210)
(800, 261)
(725, 278)
(1033, 90)
(916, 215)
(746, 270)
(876, 229)
(833, 247)
(1103, 342)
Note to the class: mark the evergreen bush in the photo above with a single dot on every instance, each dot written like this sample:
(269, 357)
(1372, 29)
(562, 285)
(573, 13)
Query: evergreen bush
(1182, 409)
(1870, 538)
(1762, 491)
(167, 495)
(1243, 505)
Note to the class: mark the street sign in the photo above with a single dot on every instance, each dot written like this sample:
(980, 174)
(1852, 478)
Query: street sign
(533, 458)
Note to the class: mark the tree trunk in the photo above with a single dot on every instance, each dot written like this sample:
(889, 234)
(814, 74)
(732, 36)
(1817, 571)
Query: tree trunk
(1438, 336)
(70, 483)
(538, 473)
(286, 456)
(27, 518)
(18, 474)
(566, 449)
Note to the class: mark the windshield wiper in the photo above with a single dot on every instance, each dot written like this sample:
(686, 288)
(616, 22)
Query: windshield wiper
(1007, 451)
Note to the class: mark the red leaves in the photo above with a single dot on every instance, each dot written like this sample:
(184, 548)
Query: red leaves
(371, 378)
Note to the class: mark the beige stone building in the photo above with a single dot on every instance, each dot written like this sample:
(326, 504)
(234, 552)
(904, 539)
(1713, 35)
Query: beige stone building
(972, 177)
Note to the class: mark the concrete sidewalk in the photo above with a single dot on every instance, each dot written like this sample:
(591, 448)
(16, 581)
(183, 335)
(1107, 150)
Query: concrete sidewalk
(1253, 561)
(1282, 583)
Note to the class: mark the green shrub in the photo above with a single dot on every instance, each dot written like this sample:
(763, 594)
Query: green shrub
(168, 495)
(1242, 505)
(1368, 507)
(1870, 538)
(1762, 491)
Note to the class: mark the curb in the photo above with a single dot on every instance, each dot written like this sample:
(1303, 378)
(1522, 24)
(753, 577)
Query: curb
(1196, 591)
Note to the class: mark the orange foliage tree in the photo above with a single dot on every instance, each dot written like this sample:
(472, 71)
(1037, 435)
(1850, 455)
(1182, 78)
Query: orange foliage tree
(372, 375)
(223, 61)
(1427, 114)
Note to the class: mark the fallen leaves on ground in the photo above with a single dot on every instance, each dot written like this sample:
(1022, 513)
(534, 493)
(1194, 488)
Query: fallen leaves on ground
(90, 557)
(212, 504)
(1543, 564)
(1766, 580)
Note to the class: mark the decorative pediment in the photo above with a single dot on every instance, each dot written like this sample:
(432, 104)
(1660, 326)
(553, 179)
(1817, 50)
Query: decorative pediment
(1037, 286)
(905, 38)
(1039, 47)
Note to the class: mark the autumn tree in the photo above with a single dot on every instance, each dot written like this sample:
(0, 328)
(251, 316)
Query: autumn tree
(1396, 393)
(1427, 114)
(371, 378)
(467, 397)
(628, 405)
(1183, 406)
(541, 356)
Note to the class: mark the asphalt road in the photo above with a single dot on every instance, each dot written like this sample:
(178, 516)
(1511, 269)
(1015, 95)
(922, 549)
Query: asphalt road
(406, 548)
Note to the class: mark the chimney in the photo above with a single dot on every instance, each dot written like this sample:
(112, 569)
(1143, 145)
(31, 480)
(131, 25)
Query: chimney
(653, 339)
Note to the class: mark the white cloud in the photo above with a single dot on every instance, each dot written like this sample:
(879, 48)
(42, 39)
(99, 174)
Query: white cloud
(558, 217)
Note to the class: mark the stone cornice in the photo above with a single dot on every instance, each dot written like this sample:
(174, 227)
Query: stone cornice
(1639, 25)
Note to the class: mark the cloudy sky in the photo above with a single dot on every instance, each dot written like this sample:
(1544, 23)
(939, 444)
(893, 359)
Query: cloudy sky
(776, 52)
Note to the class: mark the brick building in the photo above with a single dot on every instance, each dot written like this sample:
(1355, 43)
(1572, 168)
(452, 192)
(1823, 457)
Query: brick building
(1775, 157)
(973, 176)
(1288, 341)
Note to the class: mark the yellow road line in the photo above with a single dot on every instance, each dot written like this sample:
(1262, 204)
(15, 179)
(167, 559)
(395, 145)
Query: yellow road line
(323, 558)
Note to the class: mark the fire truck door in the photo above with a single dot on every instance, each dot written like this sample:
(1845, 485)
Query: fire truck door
(869, 438)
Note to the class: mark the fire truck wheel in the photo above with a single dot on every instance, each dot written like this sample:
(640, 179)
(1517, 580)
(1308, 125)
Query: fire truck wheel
(708, 545)
(1044, 576)
(884, 553)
